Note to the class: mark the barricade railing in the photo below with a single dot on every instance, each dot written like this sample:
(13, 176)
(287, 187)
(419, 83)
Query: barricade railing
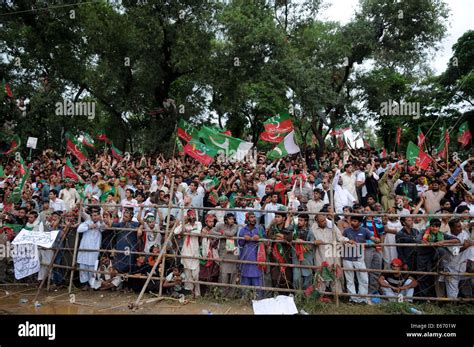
(219, 260)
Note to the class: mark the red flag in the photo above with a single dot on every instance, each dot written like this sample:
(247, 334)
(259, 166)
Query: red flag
(101, 136)
(399, 134)
(421, 138)
(75, 148)
(274, 138)
(198, 155)
(116, 153)
(367, 144)
(464, 134)
(227, 132)
(384, 153)
(68, 171)
(278, 124)
(341, 142)
(446, 138)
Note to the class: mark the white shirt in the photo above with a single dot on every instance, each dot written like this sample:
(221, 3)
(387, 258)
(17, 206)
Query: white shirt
(261, 189)
(342, 198)
(361, 178)
(57, 205)
(132, 203)
(269, 216)
(349, 183)
(457, 263)
(70, 197)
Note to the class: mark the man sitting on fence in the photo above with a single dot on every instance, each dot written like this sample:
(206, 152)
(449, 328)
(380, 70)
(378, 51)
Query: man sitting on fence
(396, 283)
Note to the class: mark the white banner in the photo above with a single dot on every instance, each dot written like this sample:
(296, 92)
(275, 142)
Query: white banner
(25, 250)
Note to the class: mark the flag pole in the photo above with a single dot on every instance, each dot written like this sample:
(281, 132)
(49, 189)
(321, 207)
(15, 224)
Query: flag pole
(437, 119)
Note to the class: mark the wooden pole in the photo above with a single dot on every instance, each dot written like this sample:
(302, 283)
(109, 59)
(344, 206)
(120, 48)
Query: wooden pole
(334, 241)
(50, 267)
(162, 252)
(76, 245)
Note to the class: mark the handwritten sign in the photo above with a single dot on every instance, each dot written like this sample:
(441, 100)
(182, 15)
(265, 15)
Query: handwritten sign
(25, 250)
(38, 238)
(25, 260)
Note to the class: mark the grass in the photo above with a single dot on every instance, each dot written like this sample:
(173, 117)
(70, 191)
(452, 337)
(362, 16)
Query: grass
(313, 306)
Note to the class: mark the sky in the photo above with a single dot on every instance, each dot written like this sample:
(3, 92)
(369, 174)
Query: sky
(461, 19)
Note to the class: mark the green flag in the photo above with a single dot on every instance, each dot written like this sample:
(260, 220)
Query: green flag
(285, 147)
(232, 147)
(15, 196)
(2, 174)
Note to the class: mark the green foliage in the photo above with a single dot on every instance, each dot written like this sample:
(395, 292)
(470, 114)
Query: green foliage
(145, 64)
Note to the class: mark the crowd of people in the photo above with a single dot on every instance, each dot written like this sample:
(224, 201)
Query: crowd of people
(226, 217)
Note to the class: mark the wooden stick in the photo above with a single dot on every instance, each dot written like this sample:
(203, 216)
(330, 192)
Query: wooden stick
(162, 252)
(76, 245)
(50, 266)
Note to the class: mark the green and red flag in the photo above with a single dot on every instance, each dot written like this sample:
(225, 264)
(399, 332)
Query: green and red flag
(186, 131)
(232, 147)
(102, 136)
(421, 138)
(23, 166)
(367, 144)
(339, 130)
(213, 198)
(199, 151)
(444, 143)
(219, 130)
(210, 182)
(399, 135)
(15, 195)
(417, 157)
(14, 143)
(75, 147)
(341, 142)
(5, 88)
(279, 124)
(268, 137)
(87, 140)
(116, 153)
(464, 134)
(69, 172)
(179, 146)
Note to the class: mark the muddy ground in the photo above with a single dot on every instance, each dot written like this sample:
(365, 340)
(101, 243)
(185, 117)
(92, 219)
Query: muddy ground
(19, 299)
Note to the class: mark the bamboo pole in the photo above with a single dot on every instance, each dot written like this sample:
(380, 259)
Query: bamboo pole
(163, 250)
(334, 240)
(76, 245)
(382, 214)
(290, 265)
(50, 266)
(241, 286)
